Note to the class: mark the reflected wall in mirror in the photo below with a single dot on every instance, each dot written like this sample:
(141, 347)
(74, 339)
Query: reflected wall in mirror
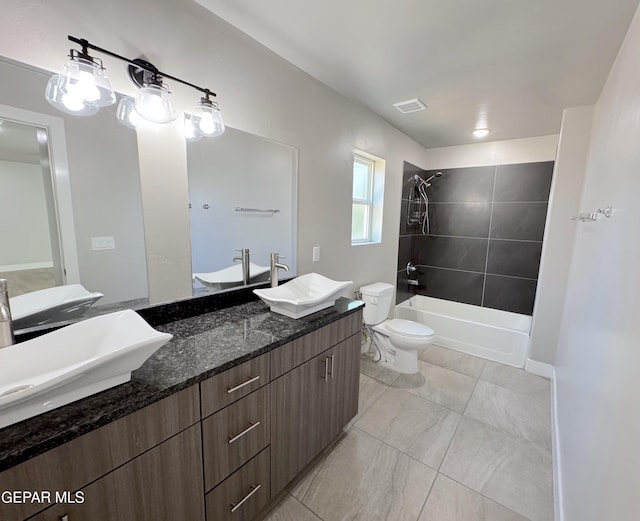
(98, 159)
(28, 217)
(243, 193)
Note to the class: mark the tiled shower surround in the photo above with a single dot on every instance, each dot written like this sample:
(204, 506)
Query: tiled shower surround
(485, 234)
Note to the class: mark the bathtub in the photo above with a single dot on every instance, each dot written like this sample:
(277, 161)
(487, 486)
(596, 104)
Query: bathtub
(490, 333)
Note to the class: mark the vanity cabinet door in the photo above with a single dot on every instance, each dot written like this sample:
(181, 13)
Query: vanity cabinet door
(163, 484)
(310, 406)
(343, 387)
(297, 420)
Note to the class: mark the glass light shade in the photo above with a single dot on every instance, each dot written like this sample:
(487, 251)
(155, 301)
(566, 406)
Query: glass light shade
(67, 101)
(207, 119)
(87, 80)
(190, 132)
(154, 103)
(126, 112)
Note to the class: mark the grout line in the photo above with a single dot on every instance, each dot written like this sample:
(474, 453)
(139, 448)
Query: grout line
(486, 202)
(366, 433)
(305, 506)
(486, 260)
(485, 497)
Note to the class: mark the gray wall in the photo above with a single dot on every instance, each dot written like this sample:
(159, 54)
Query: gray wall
(484, 240)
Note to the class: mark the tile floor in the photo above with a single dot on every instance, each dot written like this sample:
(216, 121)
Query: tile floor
(463, 440)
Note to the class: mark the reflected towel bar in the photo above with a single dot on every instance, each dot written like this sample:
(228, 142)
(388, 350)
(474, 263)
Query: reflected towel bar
(255, 210)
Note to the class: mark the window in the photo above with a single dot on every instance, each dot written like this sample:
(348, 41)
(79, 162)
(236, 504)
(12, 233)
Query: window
(366, 212)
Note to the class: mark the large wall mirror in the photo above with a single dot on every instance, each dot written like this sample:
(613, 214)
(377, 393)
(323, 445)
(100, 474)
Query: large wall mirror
(242, 192)
(70, 199)
(71, 209)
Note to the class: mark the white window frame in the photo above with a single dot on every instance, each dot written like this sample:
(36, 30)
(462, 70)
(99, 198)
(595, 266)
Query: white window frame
(374, 198)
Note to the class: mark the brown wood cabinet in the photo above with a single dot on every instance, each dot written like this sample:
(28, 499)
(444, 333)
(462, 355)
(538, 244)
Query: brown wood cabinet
(232, 436)
(310, 406)
(75, 464)
(163, 484)
(218, 450)
(243, 494)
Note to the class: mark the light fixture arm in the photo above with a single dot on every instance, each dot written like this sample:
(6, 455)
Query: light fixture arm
(141, 64)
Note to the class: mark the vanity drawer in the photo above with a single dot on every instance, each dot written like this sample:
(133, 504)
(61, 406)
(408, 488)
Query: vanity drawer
(295, 353)
(243, 494)
(227, 387)
(232, 436)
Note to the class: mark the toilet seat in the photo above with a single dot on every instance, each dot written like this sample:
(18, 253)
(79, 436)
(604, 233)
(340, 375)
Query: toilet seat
(408, 328)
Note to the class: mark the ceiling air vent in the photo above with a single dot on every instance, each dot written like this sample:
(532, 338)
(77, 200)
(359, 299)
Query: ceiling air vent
(411, 105)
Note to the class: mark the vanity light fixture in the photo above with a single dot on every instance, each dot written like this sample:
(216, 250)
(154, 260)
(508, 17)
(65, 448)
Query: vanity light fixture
(82, 88)
(481, 132)
(126, 112)
(206, 118)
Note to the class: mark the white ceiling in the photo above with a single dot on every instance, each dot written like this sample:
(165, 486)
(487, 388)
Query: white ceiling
(515, 64)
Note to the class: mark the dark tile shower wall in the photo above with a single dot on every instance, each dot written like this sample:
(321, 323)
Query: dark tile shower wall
(485, 235)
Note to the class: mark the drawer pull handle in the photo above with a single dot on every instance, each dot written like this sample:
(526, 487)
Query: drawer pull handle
(237, 436)
(331, 372)
(249, 381)
(254, 489)
(326, 369)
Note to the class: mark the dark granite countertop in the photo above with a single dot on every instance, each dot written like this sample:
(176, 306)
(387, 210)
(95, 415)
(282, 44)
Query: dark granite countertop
(202, 346)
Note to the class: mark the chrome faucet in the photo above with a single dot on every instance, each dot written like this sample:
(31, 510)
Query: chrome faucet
(246, 275)
(6, 326)
(275, 265)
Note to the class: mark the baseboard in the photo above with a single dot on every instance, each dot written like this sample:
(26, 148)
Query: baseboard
(555, 444)
(539, 368)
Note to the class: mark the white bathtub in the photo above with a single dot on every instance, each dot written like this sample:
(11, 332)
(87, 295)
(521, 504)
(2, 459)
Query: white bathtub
(490, 333)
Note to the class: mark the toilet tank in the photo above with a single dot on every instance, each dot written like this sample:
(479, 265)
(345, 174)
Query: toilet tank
(377, 298)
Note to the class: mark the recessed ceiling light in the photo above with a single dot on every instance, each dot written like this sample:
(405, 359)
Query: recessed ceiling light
(410, 105)
(481, 132)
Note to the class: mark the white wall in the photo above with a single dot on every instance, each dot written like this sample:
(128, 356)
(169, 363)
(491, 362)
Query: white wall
(598, 360)
(560, 232)
(259, 93)
(24, 223)
(512, 151)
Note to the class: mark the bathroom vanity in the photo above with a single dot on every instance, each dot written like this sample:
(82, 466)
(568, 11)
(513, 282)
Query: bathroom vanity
(213, 426)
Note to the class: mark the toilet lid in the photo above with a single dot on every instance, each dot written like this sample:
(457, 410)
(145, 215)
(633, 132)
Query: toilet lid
(408, 327)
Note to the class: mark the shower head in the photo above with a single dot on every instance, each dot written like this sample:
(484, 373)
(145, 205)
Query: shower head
(437, 174)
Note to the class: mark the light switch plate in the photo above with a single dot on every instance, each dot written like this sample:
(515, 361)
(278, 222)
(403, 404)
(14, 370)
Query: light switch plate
(103, 243)
(316, 254)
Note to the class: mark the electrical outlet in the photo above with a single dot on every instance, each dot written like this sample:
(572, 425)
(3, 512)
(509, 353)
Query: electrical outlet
(316, 254)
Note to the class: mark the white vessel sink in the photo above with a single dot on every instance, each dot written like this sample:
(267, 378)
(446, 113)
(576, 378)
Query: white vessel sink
(73, 362)
(232, 276)
(50, 305)
(303, 295)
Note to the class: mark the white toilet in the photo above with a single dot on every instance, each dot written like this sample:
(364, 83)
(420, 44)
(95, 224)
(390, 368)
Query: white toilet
(398, 340)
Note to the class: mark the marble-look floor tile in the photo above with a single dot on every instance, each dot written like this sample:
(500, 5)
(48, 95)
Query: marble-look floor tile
(364, 479)
(411, 424)
(515, 412)
(370, 391)
(291, 510)
(442, 386)
(517, 380)
(451, 501)
(452, 359)
(508, 469)
(376, 371)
